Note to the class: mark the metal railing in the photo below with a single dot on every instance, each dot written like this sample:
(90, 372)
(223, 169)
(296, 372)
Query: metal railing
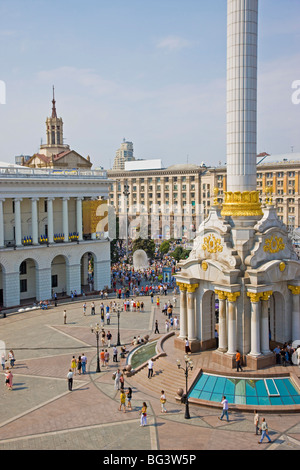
(24, 172)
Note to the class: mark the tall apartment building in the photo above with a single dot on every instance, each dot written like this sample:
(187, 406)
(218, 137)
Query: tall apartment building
(181, 195)
(123, 154)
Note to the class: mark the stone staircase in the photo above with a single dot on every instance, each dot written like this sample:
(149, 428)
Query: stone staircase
(166, 376)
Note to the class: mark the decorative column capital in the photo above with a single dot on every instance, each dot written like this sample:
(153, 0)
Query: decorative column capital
(221, 294)
(255, 296)
(232, 296)
(192, 287)
(182, 286)
(294, 289)
(35, 199)
(266, 295)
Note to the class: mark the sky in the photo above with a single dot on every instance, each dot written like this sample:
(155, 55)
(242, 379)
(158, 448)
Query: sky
(151, 72)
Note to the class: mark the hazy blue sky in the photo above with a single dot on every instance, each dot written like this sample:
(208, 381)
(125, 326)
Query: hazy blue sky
(153, 72)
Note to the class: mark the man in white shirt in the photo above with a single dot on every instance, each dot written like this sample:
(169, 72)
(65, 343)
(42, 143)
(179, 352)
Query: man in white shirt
(150, 369)
(225, 408)
(70, 379)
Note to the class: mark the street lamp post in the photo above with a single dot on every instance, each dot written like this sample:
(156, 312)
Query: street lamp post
(96, 329)
(118, 313)
(126, 194)
(186, 368)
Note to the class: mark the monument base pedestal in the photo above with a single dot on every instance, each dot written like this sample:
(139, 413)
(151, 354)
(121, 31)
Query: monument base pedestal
(260, 362)
(223, 359)
(179, 343)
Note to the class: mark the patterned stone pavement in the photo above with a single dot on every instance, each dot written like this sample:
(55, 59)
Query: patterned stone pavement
(41, 414)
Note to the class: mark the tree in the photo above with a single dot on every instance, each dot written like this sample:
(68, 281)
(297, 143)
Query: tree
(164, 247)
(180, 253)
(143, 244)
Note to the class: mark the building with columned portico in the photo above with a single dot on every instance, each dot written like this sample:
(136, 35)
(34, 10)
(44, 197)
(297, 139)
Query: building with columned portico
(44, 245)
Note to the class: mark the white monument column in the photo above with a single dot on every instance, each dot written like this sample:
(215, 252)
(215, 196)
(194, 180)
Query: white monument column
(79, 218)
(65, 215)
(232, 296)
(241, 197)
(222, 320)
(50, 219)
(18, 223)
(34, 220)
(1, 223)
(255, 323)
(183, 310)
(191, 314)
(295, 312)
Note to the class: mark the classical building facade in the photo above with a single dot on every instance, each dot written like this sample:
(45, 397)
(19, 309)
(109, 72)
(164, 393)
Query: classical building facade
(44, 245)
(189, 191)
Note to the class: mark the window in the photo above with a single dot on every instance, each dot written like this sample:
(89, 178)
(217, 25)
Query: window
(23, 285)
(54, 280)
(45, 205)
(23, 268)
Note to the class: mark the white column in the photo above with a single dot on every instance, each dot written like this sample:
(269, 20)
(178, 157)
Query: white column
(232, 296)
(79, 217)
(183, 311)
(295, 312)
(65, 216)
(1, 223)
(265, 348)
(50, 219)
(255, 324)
(18, 223)
(241, 94)
(222, 321)
(34, 220)
(191, 314)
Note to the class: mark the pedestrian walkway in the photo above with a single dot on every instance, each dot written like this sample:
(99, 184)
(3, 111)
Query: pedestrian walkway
(40, 412)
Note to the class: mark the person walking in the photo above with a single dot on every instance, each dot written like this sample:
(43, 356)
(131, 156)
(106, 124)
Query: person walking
(3, 361)
(65, 317)
(238, 361)
(79, 364)
(156, 328)
(70, 380)
(163, 402)
(84, 308)
(93, 308)
(108, 337)
(102, 357)
(150, 368)
(73, 365)
(122, 401)
(83, 363)
(264, 431)
(115, 354)
(11, 358)
(129, 397)
(144, 414)
(106, 358)
(117, 379)
(256, 423)
(225, 408)
(8, 379)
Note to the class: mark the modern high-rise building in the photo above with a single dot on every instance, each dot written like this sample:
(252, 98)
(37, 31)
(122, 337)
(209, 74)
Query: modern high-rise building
(123, 154)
